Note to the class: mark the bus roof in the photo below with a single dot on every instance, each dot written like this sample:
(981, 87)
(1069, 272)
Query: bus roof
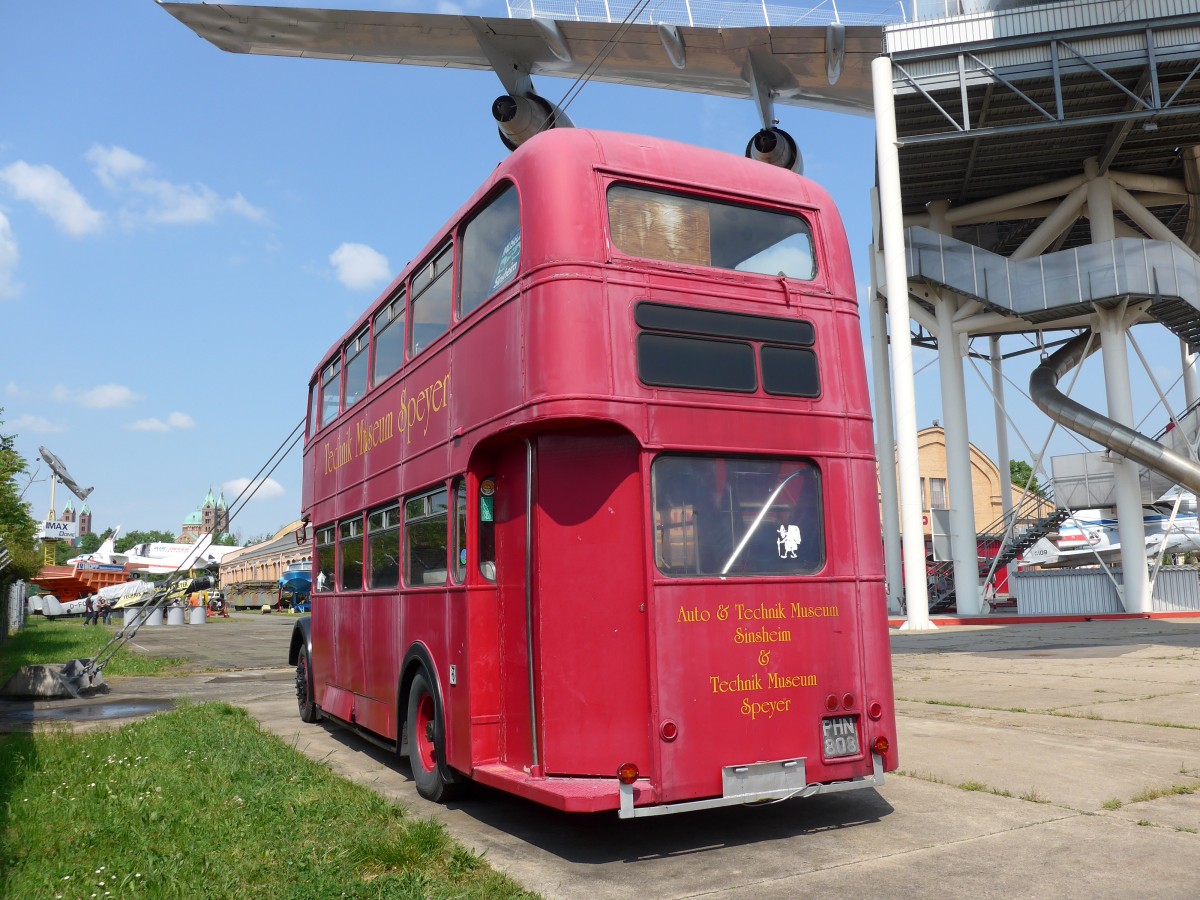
(565, 154)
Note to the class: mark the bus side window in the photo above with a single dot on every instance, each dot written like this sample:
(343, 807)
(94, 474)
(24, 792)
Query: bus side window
(460, 530)
(331, 391)
(351, 546)
(323, 580)
(491, 250)
(425, 528)
(432, 296)
(383, 543)
(314, 407)
(356, 368)
(389, 339)
(487, 528)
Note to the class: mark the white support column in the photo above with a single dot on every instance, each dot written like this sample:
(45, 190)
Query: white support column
(1130, 527)
(1100, 204)
(963, 539)
(1191, 381)
(891, 214)
(885, 450)
(1002, 458)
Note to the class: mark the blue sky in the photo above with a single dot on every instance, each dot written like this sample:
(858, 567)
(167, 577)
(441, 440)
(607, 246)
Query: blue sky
(183, 233)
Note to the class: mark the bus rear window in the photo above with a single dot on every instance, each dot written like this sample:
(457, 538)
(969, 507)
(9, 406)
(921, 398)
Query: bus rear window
(687, 230)
(736, 517)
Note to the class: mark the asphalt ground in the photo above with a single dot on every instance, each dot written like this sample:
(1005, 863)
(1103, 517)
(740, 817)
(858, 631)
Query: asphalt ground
(1036, 760)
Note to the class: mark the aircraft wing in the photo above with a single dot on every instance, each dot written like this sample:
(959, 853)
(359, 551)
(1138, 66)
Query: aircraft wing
(786, 64)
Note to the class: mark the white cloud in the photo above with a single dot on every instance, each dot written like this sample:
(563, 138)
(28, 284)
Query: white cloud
(36, 424)
(107, 396)
(176, 421)
(360, 267)
(154, 200)
(54, 196)
(12, 389)
(267, 490)
(148, 425)
(9, 256)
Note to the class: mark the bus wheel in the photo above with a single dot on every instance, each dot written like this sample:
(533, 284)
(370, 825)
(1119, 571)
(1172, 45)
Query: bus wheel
(427, 744)
(305, 698)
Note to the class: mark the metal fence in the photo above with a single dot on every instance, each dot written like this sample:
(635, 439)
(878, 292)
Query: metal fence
(1092, 592)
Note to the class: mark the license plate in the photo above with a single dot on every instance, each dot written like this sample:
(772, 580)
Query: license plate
(841, 736)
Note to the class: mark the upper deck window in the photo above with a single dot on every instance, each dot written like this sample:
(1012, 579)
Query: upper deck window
(432, 290)
(314, 406)
(491, 250)
(389, 339)
(356, 368)
(331, 391)
(658, 225)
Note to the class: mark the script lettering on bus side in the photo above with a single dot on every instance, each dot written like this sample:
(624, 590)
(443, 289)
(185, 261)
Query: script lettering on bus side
(364, 435)
(418, 409)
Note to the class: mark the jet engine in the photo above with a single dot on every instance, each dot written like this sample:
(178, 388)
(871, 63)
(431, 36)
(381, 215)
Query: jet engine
(520, 117)
(777, 148)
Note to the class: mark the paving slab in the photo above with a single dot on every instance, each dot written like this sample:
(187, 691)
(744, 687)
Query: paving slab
(919, 834)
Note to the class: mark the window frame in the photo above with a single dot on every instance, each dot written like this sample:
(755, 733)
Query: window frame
(501, 191)
(329, 532)
(420, 508)
(355, 528)
(359, 345)
(416, 290)
(395, 309)
(385, 529)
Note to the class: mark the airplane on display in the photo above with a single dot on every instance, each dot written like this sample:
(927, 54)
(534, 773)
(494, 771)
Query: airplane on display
(157, 558)
(814, 58)
(1091, 534)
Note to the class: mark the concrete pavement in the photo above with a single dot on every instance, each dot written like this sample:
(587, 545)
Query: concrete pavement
(1038, 761)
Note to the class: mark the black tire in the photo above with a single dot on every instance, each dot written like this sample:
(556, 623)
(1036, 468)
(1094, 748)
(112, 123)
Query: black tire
(427, 744)
(306, 700)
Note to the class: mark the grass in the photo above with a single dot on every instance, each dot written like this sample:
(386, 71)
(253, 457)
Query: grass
(201, 802)
(1155, 793)
(1113, 803)
(47, 641)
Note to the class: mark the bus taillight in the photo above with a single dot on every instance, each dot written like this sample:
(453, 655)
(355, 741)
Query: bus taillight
(848, 701)
(880, 746)
(628, 773)
(875, 710)
(668, 731)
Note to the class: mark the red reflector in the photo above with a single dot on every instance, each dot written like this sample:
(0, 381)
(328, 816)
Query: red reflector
(831, 702)
(848, 701)
(880, 745)
(628, 773)
(668, 730)
(875, 710)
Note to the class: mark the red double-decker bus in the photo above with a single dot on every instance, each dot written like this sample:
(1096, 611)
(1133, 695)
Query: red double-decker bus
(592, 492)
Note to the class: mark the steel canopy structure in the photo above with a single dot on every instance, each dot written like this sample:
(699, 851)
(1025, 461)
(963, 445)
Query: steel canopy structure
(1038, 172)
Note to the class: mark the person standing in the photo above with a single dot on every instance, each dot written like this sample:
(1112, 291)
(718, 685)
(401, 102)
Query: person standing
(89, 611)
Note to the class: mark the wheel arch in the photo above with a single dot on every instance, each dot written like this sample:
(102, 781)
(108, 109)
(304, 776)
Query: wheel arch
(417, 658)
(301, 638)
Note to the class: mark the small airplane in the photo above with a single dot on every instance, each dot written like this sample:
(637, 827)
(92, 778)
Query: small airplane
(157, 558)
(1092, 533)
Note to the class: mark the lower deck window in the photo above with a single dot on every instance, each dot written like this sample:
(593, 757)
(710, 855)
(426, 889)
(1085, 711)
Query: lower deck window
(736, 517)
(426, 519)
(350, 544)
(326, 552)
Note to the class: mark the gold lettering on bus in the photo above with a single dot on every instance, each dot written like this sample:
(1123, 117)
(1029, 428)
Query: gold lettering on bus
(762, 636)
(736, 684)
(800, 611)
(760, 612)
(695, 614)
(790, 681)
(765, 708)
(416, 410)
(340, 453)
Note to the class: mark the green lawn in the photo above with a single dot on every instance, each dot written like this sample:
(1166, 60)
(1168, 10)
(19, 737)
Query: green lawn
(200, 802)
(58, 641)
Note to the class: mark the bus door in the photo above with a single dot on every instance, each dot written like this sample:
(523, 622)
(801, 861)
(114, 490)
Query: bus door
(510, 503)
(591, 629)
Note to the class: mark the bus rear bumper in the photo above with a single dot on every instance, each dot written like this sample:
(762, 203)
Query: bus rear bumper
(742, 785)
(758, 783)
